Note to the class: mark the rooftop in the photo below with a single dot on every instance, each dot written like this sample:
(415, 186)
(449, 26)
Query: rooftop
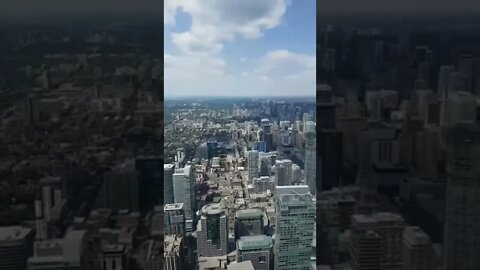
(13, 233)
(254, 242)
(378, 217)
(173, 206)
(114, 248)
(249, 214)
(247, 265)
(416, 236)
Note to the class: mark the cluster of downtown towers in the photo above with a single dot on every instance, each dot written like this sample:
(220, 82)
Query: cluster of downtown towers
(258, 210)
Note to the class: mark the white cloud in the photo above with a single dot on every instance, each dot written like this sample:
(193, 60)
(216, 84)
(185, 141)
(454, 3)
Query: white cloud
(170, 9)
(276, 73)
(285, 63)
(199, 68)
(217, 21)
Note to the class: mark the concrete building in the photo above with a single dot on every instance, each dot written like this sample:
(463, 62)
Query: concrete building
(120, 189)
(418, 251)
(248, 222)
(265, 165)
(366, 250)
(325, 107)
(16, 246)
(65, 254)
(297, 176)
(461, 108)
(183, 189)
(252, 164)
(168, 170)
(212, 231)
(246, 265)
(173, 252)
(295, 218)
(175, 222)
(113, 257)
(461, 237)
(283, 172)
(389, 227)
(153, 259)
(264, 183)
(311, 161)
(256, 249)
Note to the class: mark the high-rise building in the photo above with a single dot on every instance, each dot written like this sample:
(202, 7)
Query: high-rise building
(150, 182)
(264, 183)
(248, 222)
(32, 109)
(153, 258)
(175, 219)
(366, 250)
(325, 107)
(305, 118)
(330, 152)
(311, 161)
(183, 189)
(295, 218)
(168, 170)
(16, 246)
(120, 189)
(389, 227)
(256, 249)
(283, 172)
(368, 188)
(260, 146)
(296, 174)
(310, 126)
(252, 164)
(418, 251)
(66, 253)
(265, 165)
(461, 237)
(212, 231)
(461, 108)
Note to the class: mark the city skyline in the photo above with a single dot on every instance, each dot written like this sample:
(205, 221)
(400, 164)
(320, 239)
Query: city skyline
(251, 55)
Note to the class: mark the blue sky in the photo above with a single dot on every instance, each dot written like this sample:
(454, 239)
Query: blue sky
(240, 47)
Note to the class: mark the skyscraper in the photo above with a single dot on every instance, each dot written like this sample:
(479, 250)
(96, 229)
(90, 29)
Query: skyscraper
(325, 107)
(260, 146)
(120, 189)
(295, 218)
(461, 237)
(265, 165)
(212, 231)
(418, 252)
(311, 161)
(296, 174)
(183, 184)
(283, 172)
(252, 164)
(168, 170)
(387, 227)
(256, 249)
(175, 219)
(16, 245)
(248, 222)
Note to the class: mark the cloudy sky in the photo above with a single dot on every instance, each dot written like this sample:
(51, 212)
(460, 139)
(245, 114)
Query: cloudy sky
(239, 47)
